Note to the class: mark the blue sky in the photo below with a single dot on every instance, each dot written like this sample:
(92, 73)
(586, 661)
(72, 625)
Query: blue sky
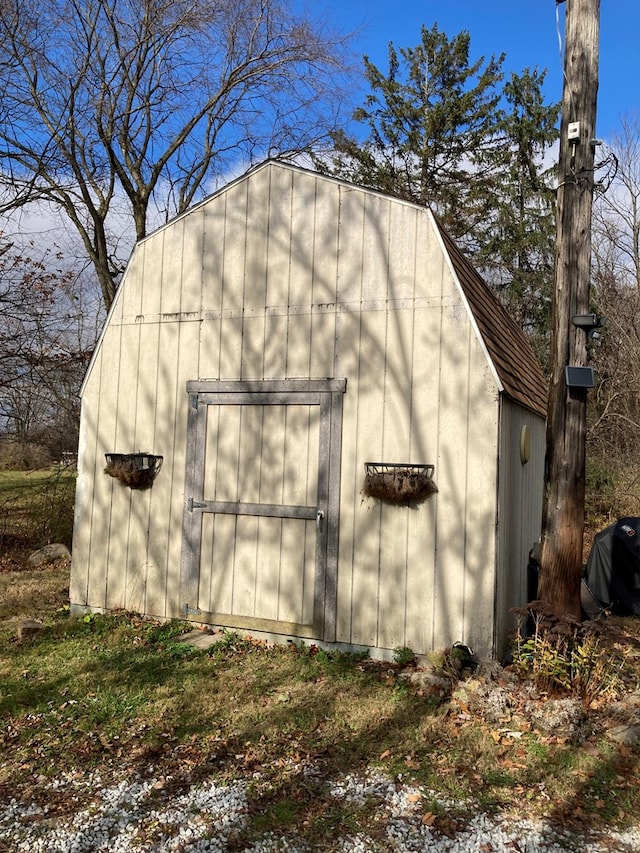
(526, 30)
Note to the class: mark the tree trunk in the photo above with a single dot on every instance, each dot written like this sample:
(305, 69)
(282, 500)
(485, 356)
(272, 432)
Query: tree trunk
(563, 521)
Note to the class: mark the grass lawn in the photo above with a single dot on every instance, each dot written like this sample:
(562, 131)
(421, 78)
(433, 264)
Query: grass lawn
(126, 697)
(36, 507)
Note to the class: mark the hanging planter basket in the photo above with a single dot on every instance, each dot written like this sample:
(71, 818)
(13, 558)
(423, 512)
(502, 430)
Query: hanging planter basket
(136, 470)
(398, 483)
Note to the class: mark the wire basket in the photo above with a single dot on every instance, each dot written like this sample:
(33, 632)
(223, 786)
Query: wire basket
(399, 483)
(136, 470)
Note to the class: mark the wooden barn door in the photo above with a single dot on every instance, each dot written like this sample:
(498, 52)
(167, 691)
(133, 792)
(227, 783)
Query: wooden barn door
(261, 505)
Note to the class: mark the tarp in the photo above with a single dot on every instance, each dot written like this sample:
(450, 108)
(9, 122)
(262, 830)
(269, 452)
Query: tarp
(612, 574)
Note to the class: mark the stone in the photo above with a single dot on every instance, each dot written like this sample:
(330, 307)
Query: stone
(199, 639)
(29, 628)
(626, 735)
(633, 699)
(49, 554)
(496, 704)
(626, 711)
(561, 717)
(427, 680)
(492, 670)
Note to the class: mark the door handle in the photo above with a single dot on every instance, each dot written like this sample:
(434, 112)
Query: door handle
(319, 517)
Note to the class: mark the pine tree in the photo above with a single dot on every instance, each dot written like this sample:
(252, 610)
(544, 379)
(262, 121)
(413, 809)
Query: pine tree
(515, 232)
(447, 132)
(429, 120)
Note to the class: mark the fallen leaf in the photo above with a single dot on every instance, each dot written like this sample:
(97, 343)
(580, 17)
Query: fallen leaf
(385, 754)
(428, 819)
(103, 740)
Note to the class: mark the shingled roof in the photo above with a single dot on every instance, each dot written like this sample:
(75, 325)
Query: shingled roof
(518, 369)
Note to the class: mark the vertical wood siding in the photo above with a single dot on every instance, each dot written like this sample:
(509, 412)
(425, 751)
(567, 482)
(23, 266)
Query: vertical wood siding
(264, 454)
(520, 510)
(287, 275)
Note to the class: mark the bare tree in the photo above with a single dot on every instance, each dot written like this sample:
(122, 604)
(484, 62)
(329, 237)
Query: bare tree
(44, 348)
(614, 409)
(106, 102)
(617, 212)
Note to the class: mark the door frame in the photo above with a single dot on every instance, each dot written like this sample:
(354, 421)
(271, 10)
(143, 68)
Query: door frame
(328, 395)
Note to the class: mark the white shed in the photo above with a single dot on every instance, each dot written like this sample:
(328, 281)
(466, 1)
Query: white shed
(269, 344)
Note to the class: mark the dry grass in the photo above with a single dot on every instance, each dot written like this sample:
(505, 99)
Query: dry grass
(33, 593)
(126, 696)
(36, 508)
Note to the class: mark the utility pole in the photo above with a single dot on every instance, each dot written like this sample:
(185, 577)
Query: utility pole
(563, 516)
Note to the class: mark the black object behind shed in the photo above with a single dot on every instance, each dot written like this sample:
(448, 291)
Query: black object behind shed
(613, 568)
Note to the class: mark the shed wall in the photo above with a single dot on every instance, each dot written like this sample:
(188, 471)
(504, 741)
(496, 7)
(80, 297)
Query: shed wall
(520, 510)
(289, 275)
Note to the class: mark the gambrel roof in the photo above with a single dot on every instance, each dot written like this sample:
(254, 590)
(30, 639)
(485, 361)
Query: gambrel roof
(511, 357)
(515, 363)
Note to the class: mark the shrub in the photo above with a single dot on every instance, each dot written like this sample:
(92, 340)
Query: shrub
(588, 659)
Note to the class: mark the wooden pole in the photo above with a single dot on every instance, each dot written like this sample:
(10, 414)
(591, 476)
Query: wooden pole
(563, 517)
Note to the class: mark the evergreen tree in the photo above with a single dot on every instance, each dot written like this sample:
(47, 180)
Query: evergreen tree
(430, 119)
(515, 235)
(446, 132)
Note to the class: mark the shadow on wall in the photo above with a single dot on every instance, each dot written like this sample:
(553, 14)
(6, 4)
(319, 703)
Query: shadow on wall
(336, 295)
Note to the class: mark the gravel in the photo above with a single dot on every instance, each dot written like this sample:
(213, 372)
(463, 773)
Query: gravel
(148, 815)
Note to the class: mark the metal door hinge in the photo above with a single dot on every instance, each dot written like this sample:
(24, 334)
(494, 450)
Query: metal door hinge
(191, 504)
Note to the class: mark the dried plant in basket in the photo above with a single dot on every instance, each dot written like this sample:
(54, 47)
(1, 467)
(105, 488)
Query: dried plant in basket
(136, 470)
(398, 484)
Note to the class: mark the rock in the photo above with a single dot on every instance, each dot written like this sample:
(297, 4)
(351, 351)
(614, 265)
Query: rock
(497, 705)
(627, 735)
(460, 696)
(561, 717)
(29, 628)
(484, 700)
(199, 639)
(626, 711)
(491, 670)
(427, 680)
(632, 700)
(49, 554)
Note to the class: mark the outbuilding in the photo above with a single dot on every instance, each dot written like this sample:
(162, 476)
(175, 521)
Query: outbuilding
(308, 417)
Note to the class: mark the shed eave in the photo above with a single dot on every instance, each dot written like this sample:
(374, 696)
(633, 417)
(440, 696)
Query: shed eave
(105, 326)
(474, 324)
